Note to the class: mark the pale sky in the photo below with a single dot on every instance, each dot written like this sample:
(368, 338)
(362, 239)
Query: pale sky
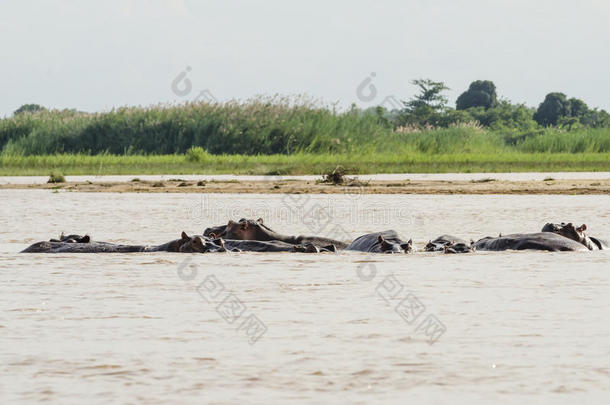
(94, 55)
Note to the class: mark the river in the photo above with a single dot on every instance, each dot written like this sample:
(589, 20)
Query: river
(510, 327)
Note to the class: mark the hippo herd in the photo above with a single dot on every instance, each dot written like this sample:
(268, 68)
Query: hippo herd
(248, 235)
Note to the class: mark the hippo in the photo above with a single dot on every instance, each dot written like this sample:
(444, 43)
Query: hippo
(72, 239)
(219, 230)
(439, 244)
(459, 247)
(91, 247)
(311, 248)
(247, 229)
(171, 246)
(577, 234)
(536, 241)
(449, 244)
(71, 244)
(203, 244)
(381, 242)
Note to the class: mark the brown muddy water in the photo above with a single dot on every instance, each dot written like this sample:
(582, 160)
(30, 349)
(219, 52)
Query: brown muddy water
(511, 327)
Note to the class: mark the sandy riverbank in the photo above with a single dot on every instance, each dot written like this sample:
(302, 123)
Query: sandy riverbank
(481, 186)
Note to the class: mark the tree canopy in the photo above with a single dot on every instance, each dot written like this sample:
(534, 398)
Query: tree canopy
(557, 109)
(481, 93)
(31, 108)
(430, 95)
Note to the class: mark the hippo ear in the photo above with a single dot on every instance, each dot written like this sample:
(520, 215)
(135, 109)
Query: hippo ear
(260, 220)
(582, 228)
(61, 236)
(184, 235)
(212, 235)
(380, 239)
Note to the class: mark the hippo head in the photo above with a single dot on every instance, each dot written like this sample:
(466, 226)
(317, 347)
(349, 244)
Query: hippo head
(72, 239)
(200, 244)
(568, 230)
(435, 246)
(459, 247)
(219, 231)
(307, 248)
(391, 247)
(550, 227)
(215, 231)
(246, 229)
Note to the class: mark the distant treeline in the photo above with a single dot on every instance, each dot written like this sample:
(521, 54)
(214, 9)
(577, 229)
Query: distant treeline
(479, 123)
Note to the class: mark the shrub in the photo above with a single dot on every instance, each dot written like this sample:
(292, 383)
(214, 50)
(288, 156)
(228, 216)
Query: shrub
(197, 154)
(56, 178)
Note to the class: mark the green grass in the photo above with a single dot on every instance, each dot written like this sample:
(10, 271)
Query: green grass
(267, 127)
(279, 136)
(73, 164)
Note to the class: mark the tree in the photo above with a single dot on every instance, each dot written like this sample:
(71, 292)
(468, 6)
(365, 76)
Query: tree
(31, 108)
(554, 106)
(430, 95)
(481, 93)
(425, 108)
(578, 108)
(504, 115)
(596, 119)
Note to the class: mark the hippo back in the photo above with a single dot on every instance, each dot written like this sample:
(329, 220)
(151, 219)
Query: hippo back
(93, 247)
(370, 242)
(535, 241)
(439, 244)
(258, 246)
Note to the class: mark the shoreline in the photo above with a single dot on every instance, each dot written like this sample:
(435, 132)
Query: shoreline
(361, 185)
(395, 177)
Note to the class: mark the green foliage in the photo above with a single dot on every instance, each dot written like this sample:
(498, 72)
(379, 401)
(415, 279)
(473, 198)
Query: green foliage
(422, 116)
(578, 108)
(481, 93)
(425, 109)
(197, 154)
(554, 106)
(457, 139)
(198, 132)
(573, 113)
(56, 178)
(430, 96)
(596, 119)
(452, 117)
(29, 108)
(504, 115)
(262, 126)
(400, 160)
(575, 141)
